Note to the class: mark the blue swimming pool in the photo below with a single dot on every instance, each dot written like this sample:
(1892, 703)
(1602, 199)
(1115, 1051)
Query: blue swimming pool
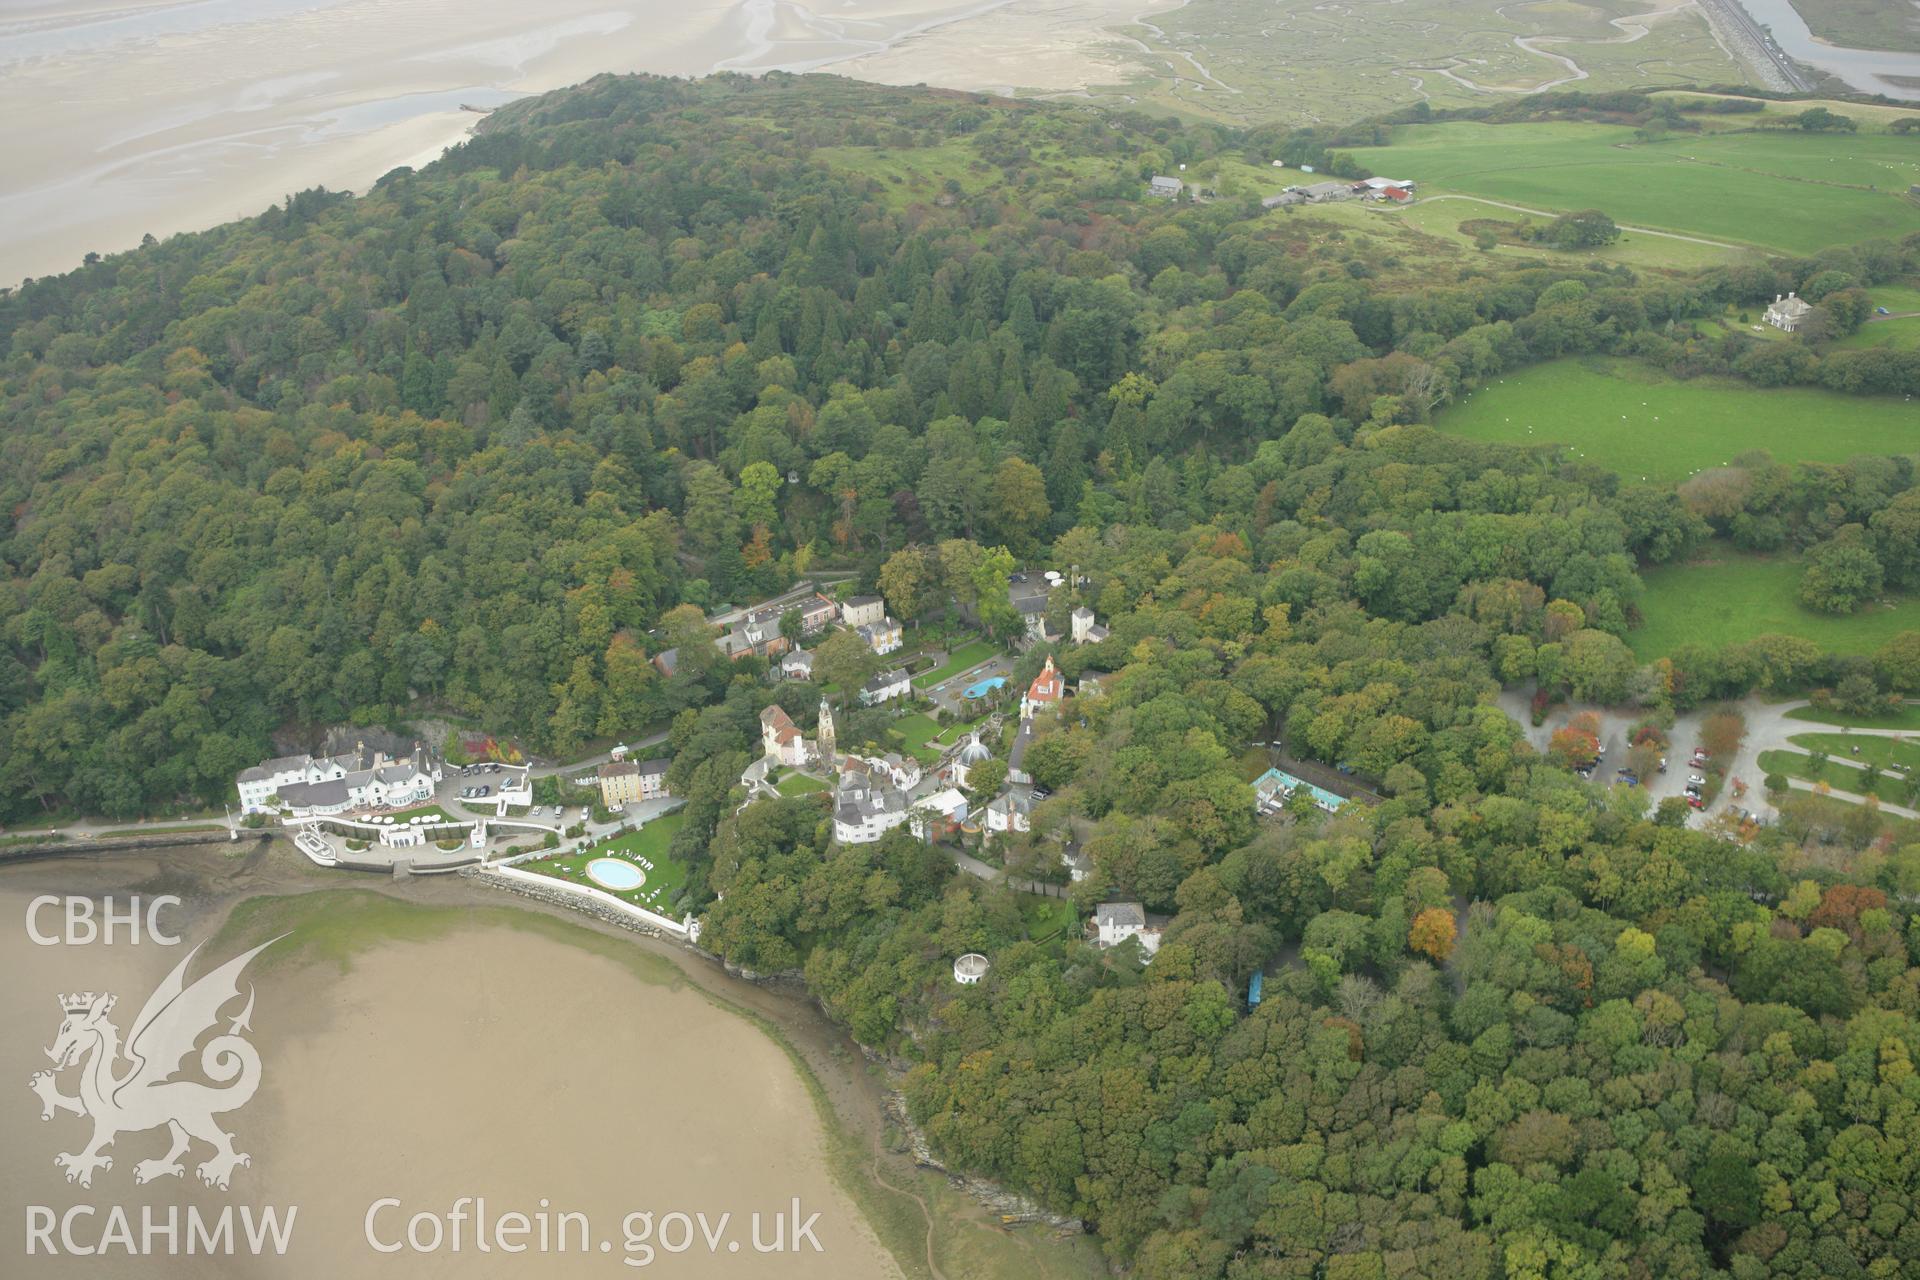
(612, 873)
(981, 688)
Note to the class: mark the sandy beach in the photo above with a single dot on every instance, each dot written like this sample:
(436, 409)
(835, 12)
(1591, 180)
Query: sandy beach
(174, 115)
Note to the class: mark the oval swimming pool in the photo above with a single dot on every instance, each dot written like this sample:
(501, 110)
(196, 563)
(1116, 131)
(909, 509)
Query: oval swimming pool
(612, 873)
(981, 688)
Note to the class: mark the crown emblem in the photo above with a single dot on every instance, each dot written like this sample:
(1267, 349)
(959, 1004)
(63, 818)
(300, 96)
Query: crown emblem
(81, 1001)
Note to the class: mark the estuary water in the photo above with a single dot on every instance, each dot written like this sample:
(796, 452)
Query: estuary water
(414, 1055)
(1865, 69)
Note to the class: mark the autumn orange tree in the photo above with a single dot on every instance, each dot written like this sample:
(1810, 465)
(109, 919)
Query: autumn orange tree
(1432, 933)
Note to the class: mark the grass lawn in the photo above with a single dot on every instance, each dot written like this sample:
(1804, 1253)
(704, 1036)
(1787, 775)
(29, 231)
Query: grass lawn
(1841, 777)
(925, 740)
(1046, 918)
(1908, 718)
(1873, 750)
(1790, 191)
(971, 654)
(1728, 596)
(160, 830)
(1645, 425)
(663, 883)
(422, 811)
(799, 784)
(1893, 335)
(916, 731)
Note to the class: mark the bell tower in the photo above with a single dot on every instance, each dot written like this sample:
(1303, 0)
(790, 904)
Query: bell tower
(829, 747)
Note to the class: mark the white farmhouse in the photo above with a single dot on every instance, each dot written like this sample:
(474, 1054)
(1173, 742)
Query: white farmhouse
(1789, 313)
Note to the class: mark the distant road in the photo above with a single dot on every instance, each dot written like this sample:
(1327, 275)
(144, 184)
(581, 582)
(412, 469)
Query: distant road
(1735, 15)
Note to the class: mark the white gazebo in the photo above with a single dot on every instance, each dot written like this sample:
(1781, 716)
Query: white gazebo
(970, 968)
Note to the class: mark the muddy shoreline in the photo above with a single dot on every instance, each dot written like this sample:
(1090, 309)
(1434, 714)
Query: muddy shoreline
(851, 1092)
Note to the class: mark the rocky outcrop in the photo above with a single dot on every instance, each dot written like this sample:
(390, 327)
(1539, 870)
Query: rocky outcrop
(1011, 1206)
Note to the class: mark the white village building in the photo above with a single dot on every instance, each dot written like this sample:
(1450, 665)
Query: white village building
(1114, 922)
(866, 803)
(310, 786)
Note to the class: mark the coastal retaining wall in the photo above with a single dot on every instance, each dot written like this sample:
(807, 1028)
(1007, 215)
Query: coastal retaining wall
(579, 897)
(122, 844)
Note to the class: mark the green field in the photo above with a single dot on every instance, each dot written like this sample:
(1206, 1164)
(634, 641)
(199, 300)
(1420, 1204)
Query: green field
(1444, 218)
(1908, 718)
(1725, 596)
(971, 654)
(1871, 118)
(799, 784)
(1898, 332)
(1640, 422)
(1789, 191)
(663, 883)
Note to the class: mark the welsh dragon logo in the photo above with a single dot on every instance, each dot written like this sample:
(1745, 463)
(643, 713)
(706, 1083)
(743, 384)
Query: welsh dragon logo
(145, 1094)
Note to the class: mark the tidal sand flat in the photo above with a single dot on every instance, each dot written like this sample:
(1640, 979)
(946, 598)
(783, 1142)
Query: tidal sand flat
(153, 118)
(423, 1054)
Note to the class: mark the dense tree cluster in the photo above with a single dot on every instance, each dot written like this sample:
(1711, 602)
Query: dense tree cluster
(488, 441)
(1514, 1025)
(462, 444)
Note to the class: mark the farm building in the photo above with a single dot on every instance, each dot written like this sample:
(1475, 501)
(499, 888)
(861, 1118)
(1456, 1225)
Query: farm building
(1165, 188)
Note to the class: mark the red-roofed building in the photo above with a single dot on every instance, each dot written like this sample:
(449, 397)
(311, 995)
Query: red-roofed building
(1047, 689)
(781, 739)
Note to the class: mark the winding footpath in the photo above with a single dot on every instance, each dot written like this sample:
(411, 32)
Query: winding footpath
(1544, 213)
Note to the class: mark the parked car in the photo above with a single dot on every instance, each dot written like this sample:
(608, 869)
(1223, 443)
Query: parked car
(1663, 764)
(486, 791)
(1695, 801)
(1697, 780)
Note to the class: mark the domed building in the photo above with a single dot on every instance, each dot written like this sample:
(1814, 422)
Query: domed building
(970, 968)
(972, 752)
